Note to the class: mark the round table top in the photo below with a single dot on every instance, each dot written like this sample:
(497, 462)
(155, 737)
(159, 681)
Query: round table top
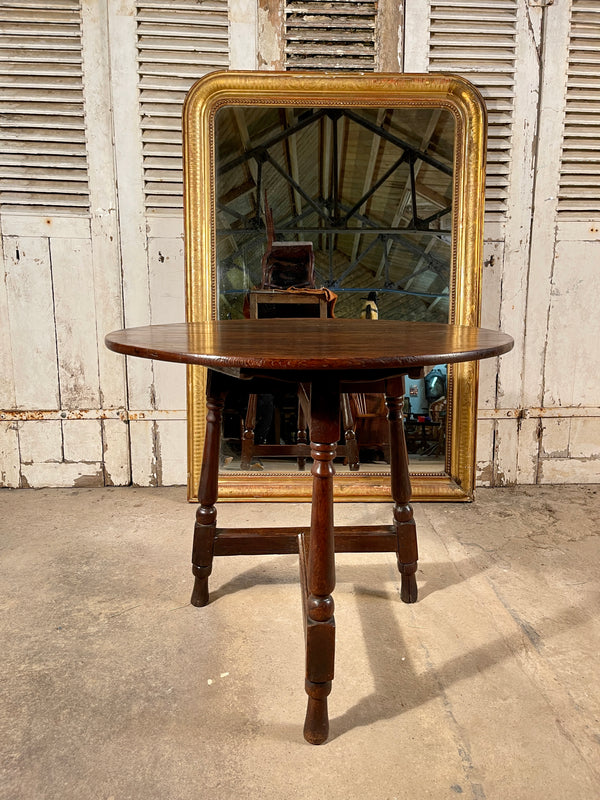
(310, 344)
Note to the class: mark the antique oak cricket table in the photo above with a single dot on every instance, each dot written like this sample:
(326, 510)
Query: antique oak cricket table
(330, 356)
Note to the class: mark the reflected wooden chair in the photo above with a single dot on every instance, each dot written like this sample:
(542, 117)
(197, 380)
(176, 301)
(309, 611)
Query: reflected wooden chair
(298, 304)
(371, 424)
(286, 264)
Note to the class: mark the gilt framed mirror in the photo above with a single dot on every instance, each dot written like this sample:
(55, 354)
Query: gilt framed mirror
(379, 178)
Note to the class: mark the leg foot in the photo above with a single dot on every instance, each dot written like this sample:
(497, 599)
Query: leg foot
(200, 590)
(316, 725)
(409, 592)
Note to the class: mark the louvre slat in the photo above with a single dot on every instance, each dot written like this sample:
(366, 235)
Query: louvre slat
(161, 163)
(307, 24)
(182, 5)
(22, 97)
(43, 5)
(165, 187)
(167, 176)
(168, 110)
(53, 120)
(65, 44)
(210, 49)
(329, 62)
(161, 124)
(190, 72)
(164, 19)
(355, 35)
(12, 17)
(481, 5)
(43, 161)
(339, 49)
(41, 185)
(56, 148)
(591, 168)
(20, 199)
(174, 45)
(163, 202)
(577, 182)
(354, 9)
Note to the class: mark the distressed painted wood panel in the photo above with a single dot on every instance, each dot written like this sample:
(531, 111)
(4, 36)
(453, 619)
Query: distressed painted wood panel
(584, 439)
(506, 447)
(493, 264)
(116, 452)
(519, 204)
(30, 292)
(142, 438)
(62, 474)
(555, 438)
(102, 183)
(10, 459)
(569, 470)
(128, 157)
(543, 228)
(528, 431)
(40, 441)
(7, 380)
(484, 454)
(171, 452)
(82, 440)
(572, 359)
(167, 298)
(75, 320)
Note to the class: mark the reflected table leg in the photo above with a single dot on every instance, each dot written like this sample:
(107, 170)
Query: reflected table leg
(404, 522)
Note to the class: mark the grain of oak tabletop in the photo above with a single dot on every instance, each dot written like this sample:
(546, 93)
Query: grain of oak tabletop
(310, 344)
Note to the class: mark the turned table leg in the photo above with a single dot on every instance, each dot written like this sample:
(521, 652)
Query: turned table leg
(400, 481)
(206, 514)
(320, 624)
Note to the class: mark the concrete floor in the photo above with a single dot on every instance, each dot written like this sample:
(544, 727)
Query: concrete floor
(115, 687)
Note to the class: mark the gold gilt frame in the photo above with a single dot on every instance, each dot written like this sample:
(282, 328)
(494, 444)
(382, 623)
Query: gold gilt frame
(295, 89)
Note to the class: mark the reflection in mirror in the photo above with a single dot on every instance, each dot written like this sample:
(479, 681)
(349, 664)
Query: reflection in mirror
(335, 211)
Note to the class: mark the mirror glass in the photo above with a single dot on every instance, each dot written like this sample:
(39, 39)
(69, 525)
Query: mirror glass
(335, 211)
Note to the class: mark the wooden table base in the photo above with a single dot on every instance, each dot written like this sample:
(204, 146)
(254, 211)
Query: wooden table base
(318, 544)
(333, 357)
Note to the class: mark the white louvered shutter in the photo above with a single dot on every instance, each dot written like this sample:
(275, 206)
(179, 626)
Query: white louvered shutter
(579, 194)
(330, 34)
(477, 39)
(178, 42)
(43, 163)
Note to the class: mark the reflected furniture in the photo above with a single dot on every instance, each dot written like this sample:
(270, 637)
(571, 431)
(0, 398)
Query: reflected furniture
(294, 303)
(286, 264)
(274, 303)
(330, 357)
